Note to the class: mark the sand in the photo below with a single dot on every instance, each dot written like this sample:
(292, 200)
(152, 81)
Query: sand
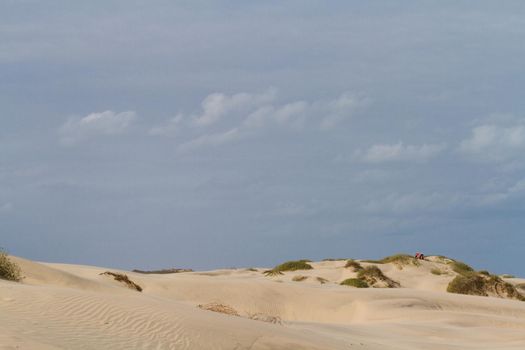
(59, 306)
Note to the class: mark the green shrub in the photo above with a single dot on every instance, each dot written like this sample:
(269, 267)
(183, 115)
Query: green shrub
(294, 266)
(468, 284)
(436, 272)
(479, 284)
(373, 275)
(484, 272)
(461, 268)
(398, 259)
(354, 264)
(354, 282)
(9, 270)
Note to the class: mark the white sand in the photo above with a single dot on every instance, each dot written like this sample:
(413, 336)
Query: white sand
(61, 306)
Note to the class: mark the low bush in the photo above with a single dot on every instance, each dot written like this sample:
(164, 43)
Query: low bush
(299, 278)
(483, 285)
(353, 264)
(355, 282)
(373, 276)
(461, 268)
(294, 266)
(436, 272)
(124, 279)
(398, 259)
(9, 270)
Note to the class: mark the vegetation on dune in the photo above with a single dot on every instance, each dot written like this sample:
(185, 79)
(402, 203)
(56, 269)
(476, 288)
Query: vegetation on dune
(436, 272)
(461, 268)
(334, 259)
(507, 276)
(321, 280)
(272, 273)
(484, 272)
(9, 270)
(373, 276)
(220, 308)
(399, 260)
(355, 282)
(124, 279)
(294, 266)
(353, 264)
(299, 278)
(252, 269)
(473, 283)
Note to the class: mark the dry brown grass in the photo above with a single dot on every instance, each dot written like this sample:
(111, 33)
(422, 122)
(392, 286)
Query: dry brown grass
(374, 277)
(321, 280)
(124, 279)
(299, 278)
(8, 269)
(221, 308)
(353, 264)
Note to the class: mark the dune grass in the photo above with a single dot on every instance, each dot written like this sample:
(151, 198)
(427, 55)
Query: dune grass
(334, 259)
(299, 278)
(124, 279)
(399, 260)
(353, 264)
(473, 283)
(461, 268)
(373, 276)
(437, 272)
(293, 265)
(9, 270)
(220, 308)
(272, 273)
(321, 280)
(507, 276)
(354, 282)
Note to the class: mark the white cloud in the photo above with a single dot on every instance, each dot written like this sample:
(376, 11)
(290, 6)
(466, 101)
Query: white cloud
(340, 109)
(249, 114)
(217, 105)
(210, 140)
(381, 153)
(103, 123)
(494, 143)
(170, 128)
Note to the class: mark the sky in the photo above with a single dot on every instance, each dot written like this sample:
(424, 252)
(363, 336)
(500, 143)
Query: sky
(209, 134)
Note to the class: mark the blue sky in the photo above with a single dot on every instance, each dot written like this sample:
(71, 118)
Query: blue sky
(146, 134)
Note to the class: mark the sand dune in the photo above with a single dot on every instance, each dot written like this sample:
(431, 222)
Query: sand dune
(59, 306)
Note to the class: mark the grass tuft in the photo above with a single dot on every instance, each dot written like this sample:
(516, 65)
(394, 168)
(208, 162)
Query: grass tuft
(353, 264)
(124, 279)
(9, 270)
(272, 273)
(483, 285)
(294, 266)
(355, 282)
(373, 276)
(299, 278)
(462, 268)
(220, 308)
(321, 280)
(436, 272)
(398, 259)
